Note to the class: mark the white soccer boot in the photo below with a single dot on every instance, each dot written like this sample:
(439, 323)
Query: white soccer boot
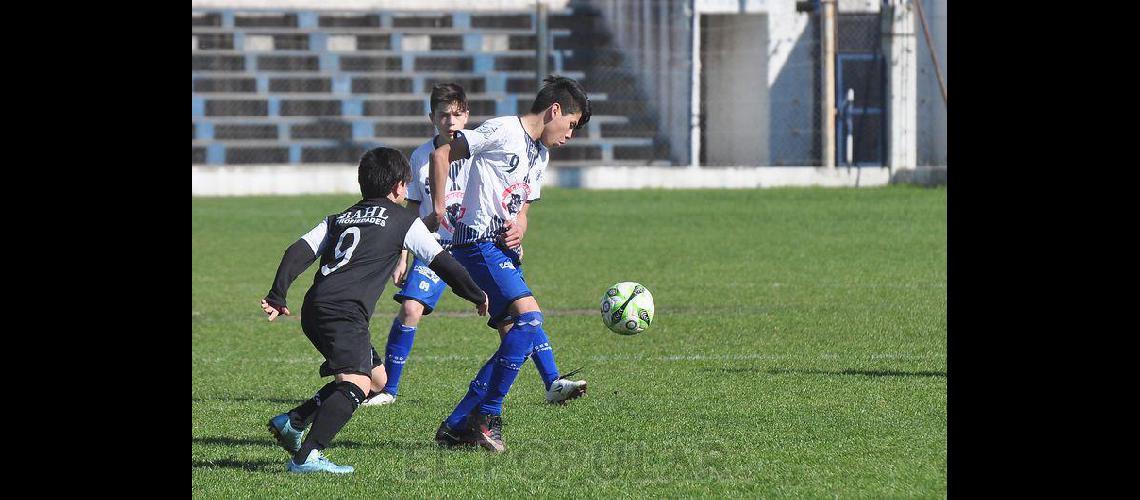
(564, 389)
(381, 398)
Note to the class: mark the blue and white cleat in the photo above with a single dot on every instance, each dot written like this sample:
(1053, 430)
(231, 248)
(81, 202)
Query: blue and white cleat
(287, 437)
(316, 462)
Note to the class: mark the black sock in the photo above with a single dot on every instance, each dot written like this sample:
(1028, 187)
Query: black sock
(332, 415)
(301, 416)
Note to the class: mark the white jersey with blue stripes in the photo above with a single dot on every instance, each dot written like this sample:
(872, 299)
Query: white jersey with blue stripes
(506, 169)
(420, 189)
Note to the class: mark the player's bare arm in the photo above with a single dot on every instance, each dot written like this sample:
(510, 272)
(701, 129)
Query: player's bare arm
(414, 206)
(423, 244)
(516, 229)
(440, 161)
(401, 269)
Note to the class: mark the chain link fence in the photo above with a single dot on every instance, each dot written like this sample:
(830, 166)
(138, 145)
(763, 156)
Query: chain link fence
(636, 58)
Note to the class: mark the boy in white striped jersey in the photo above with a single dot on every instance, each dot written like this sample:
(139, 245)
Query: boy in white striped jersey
(423, 288)
(508, 156)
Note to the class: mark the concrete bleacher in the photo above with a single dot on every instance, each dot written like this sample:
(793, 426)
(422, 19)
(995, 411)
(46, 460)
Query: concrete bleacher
(310, 87)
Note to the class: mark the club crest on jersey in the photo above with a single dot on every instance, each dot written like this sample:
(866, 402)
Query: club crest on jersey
(512, 162)
(515, 196)
(487, 128)
(455, 210)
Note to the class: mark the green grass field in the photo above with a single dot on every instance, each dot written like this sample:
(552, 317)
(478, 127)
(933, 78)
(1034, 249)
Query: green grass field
(798, 350)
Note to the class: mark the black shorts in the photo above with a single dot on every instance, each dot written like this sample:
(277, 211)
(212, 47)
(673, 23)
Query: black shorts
(345, 343)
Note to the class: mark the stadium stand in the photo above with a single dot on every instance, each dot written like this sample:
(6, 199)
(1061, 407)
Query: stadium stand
(312, 87)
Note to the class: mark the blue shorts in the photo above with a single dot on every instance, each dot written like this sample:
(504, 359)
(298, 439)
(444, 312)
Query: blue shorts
(498, 272)
(422, 286)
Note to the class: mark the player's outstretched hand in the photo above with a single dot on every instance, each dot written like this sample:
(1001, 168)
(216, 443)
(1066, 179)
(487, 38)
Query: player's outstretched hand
(432, 221)
(273, 309)
(482, 308)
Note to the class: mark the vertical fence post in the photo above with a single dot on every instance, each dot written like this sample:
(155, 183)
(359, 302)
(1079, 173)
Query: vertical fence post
(695, 88)
(542, 37)
(848, 122)
(828, 87)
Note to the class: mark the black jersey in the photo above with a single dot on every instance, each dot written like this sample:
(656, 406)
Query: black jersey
(358, 254)
(358, 249)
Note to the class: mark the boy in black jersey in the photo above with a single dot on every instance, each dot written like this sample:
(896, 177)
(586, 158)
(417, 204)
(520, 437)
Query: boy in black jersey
(358, 248)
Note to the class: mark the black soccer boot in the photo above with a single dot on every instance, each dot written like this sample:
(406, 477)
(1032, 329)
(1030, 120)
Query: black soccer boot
(447, 437)
(488, 431)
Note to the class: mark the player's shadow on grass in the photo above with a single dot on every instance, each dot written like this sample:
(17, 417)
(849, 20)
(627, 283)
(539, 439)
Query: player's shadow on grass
(849, 371)
(250, 465)
(346, 443)
(864, 373)
(288, 401)
(416, 445)
(267, 441)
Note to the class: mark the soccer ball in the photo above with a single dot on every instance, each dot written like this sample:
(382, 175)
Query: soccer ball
(627, 308)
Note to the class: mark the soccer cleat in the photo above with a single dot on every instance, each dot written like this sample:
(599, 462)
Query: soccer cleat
(316, 462)
(564, 389)
(287, 437)
(380, 398)
(448, 437)
(488, 431)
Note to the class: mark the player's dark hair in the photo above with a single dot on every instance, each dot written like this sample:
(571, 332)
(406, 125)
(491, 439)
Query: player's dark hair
(569, 95)
(380, 170)
(445, 94)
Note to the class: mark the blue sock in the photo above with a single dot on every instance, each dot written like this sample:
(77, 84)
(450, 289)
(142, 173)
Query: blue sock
(474, 395)
(513, 351)
(400, 340)
(543, 357)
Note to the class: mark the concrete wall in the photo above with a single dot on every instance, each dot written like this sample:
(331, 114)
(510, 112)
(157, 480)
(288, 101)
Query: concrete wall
(656, 37)
(319, 179)
(791, 73)
(931, 108)
(728, 177)
(273, 179)
(847, 6)
(734, 90)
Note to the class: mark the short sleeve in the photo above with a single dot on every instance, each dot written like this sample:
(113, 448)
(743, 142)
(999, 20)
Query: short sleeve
(416, 188)
(316, 236)
(421, 242)
(536, 184)
(487, 137)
